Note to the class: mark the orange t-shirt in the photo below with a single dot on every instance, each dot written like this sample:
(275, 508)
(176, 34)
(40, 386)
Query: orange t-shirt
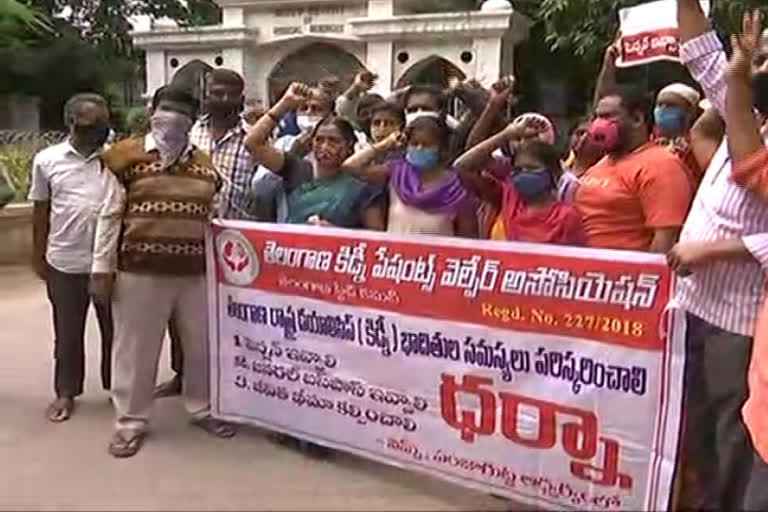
(622, 202)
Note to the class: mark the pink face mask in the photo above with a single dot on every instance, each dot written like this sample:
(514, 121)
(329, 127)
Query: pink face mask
(605, 134)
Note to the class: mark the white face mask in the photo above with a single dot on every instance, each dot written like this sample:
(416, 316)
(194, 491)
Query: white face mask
(171, 133)
(307, 123)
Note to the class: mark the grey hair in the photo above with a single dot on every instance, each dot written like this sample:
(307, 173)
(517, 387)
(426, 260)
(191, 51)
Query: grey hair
(75, 102)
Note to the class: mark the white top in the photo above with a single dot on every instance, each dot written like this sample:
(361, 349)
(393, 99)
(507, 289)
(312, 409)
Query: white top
(407, 220)
(729, 293)
(74, 185)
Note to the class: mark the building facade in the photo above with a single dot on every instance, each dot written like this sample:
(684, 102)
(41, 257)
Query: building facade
(274, 42)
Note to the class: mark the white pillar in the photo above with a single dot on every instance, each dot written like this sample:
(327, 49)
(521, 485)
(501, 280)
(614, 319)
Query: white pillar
(380, 8)
(379, 58)
(156, 71)
(255, 76)
(234, 59)
(380, 61)
(487, 53)
(233, 17)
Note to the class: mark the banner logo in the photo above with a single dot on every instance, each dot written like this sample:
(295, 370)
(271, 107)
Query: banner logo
(237, 258)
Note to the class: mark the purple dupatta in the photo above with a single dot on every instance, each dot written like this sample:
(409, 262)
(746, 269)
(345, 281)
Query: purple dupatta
(445, 197)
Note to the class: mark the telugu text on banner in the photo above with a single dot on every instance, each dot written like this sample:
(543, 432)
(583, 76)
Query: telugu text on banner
(649, 32)
(547, 374)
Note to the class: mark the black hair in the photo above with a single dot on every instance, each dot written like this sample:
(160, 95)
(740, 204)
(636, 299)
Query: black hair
(328, 94)
(437, 126)
(342, 124)
(176, 94)
(390, 107)
(545, 153)
(74, 103)
(432, 90)
(156, 97)
(460, 136)
(227, 77)
(578, 122)
(369, 100)
(635, 101)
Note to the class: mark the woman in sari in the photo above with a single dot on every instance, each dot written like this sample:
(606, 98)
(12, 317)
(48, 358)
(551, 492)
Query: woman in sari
(318, 192)
(426, 196)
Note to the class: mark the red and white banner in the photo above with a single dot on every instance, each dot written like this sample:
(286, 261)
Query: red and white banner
(547, 374)
(649, 32)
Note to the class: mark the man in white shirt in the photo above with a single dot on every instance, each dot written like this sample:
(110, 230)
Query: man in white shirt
(722, 297)
(67, 190)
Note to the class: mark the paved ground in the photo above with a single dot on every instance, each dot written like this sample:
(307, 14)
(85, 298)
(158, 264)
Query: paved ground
(66, 467)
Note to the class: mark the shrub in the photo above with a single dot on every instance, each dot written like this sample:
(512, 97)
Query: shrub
(17, 151)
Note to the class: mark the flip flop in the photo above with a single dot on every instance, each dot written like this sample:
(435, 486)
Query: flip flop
(216, 428)
(60, 410)
(126, 443)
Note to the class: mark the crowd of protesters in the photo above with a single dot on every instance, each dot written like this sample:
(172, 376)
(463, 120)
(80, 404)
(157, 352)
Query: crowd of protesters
(686, 175)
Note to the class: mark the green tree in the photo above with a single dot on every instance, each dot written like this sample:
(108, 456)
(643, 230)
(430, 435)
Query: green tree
(570, 38)
(19, 23)
(86, 46)
(586, 27)
(106, 23)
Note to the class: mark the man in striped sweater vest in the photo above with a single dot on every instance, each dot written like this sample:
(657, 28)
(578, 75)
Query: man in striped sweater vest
(151, 232)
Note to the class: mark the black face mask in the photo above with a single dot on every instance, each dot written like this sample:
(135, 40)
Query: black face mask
(221, 110)
(91, 136)
(760, 92)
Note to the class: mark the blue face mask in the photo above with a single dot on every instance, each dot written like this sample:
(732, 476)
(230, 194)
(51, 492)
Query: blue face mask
(423, 159)
(671, 121)
(532, 184)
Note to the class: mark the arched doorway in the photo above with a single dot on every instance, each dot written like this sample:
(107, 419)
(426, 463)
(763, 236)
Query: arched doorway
(435, 71)
(432, 70)
(193, 76)
(311, 64)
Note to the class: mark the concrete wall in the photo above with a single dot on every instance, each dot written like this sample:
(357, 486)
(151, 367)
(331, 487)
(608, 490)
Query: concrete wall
(16, 234)
(261, 61)
(418, 51)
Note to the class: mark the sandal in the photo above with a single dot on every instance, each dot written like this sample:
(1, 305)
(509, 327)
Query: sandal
(216, 428)
(60, 410)
(126, 443)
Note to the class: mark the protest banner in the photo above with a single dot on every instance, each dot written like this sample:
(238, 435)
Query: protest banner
(649, 33)
(550, 375)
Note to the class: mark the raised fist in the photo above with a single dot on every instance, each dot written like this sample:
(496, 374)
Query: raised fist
(297, 94)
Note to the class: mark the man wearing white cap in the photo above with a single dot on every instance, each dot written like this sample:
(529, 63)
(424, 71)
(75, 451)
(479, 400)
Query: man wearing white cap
(677, 107)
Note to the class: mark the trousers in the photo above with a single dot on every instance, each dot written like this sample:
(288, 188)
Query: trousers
(69, 298)
(177, 352)
(716, 451)
(143, 307)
